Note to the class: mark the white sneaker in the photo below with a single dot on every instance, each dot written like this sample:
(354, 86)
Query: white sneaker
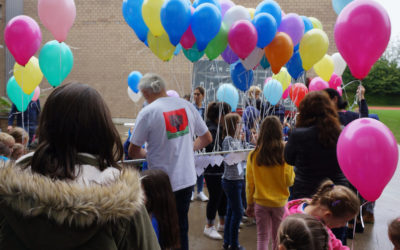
(201, 196)
(220, 228)
(191, 199)
(212, 233)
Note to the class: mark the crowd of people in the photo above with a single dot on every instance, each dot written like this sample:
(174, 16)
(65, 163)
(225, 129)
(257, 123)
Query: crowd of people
(72, 192)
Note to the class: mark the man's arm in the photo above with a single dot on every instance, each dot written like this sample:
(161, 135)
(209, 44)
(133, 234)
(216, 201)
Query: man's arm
(202, 141)
(136, 152)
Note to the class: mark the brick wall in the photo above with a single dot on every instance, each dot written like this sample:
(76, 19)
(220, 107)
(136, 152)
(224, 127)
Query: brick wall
(106, 50)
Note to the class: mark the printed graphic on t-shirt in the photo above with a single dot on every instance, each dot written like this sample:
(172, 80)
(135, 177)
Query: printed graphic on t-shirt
(176, 123)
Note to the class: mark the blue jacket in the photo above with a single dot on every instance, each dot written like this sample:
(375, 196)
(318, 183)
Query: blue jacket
(31, 116)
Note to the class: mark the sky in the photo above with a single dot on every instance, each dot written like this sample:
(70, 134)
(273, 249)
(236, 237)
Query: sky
(393, 8)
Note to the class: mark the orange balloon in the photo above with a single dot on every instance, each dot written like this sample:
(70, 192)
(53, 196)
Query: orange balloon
(279, 51)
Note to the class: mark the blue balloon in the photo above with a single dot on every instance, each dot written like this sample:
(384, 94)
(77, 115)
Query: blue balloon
(17, 96)
(175, 18)
(272, 8)
(266, 29)
(264, 62)
(132, 12)
(214, 2)
(133, 80)
(296, 48)
(307, 24)
(295, 66)
(206, 22)
(273, 91)
(178, 50)
(338, 5)
(229, 94)
(241, 77)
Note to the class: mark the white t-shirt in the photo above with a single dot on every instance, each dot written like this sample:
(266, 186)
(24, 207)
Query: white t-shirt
(168, 125)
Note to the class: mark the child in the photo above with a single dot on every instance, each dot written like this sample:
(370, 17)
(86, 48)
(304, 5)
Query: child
(302, 232)
(20, 136)
(160, 204)
(5, 152)
(7, 139)
(232, 182)
(18, 151)
(394, 233)
(333, 204)
(268, 178)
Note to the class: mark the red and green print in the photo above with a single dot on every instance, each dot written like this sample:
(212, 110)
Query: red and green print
(176, 123)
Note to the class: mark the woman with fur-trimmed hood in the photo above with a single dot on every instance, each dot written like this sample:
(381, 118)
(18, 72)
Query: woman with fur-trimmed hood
(71, 193)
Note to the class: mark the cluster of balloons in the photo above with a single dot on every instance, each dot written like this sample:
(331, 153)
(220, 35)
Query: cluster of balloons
(133, 83)
(23, 38)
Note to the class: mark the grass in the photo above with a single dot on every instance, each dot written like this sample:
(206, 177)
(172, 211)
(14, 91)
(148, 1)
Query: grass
(390, 118)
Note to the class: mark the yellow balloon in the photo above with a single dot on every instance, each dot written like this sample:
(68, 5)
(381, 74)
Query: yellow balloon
(313, 46)
(161, 46)
(28, 77)
(283, 77)
(151, 10)
(251, 11)
(325, 67)
(316, 23)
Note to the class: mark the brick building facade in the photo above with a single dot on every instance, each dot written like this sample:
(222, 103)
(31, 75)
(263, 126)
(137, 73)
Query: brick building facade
(106, 49)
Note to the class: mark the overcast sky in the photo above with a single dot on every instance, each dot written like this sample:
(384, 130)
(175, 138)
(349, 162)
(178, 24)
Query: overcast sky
(393, 8)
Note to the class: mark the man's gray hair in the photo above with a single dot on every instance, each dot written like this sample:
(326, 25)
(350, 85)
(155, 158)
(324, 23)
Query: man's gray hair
(152, 82)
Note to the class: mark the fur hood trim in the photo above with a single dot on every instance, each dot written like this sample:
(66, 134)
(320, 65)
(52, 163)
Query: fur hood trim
(69, 202)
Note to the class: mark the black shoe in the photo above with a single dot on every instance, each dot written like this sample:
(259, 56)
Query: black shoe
(225, 246)
(237, 248)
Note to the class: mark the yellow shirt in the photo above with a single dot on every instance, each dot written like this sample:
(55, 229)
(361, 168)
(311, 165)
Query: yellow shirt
(267, 185)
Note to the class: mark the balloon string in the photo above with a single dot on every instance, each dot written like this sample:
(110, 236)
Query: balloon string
(60, 65)
(22, 99)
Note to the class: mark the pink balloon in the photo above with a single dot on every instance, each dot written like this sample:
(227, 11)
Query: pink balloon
(362, 33)
(242, 38)
(36, 94)
(340, 90)
(188, 39)
(335, 81)
(57, 16)
(225, 6)
(367, 154)
(317, 84)
(286, 92)
(172, 93)
(23, 38)
(267, 80)
(293, 25)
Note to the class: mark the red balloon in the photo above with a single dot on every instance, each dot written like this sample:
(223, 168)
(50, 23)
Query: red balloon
(297, 93)
(279, 51)
(242, 38)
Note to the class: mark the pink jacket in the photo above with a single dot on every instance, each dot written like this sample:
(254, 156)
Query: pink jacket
(296, 207)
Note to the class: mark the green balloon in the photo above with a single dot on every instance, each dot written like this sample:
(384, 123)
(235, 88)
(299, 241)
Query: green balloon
(193, 54)
(56, 62)
(218, 44)
(17, 96)
(264, 63)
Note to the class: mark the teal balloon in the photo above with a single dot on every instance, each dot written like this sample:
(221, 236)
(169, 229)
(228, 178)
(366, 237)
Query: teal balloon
(193, 54)
(229, 94)
(56, 61)
(273, 91)
(264, 63)
(17, 96)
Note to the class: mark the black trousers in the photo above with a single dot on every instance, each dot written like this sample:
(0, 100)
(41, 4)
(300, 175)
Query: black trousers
(217, 198)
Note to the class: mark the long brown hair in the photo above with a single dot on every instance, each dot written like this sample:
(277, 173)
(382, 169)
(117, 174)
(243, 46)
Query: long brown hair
(270, 146)
(231, 122)
(394, 232)
(317, 109)
(160, 201)
(75, 119)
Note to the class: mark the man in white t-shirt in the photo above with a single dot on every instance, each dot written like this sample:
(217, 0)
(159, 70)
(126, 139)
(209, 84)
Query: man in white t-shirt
(168, 126)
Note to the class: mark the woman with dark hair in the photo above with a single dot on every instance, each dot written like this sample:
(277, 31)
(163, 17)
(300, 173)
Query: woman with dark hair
(71, 193)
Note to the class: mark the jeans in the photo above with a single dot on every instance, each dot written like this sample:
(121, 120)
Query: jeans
(200, 183)
(217, 198)
(233, 191)
(182, 199)
(268, 220)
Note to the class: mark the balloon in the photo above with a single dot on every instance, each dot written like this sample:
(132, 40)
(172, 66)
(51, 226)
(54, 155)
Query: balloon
(36, 94)
(295, 66)
(313, 46)
(213, 2)
(264, 62)
(340, 90)
(340, 64)
(225, 6)
(251, 12)
(161, 46)
(317, 84)
(236, 13)
(283, 77)
(17, 96)
(367, 153)
(57, 16)
(335, 81)
(286, 92)
(270, 7)
(273, 91)
(229, 56)
(338, 5)
(293, 25)
(133, 80)
(279, 51)
(178, 50)
(316, 23)
(324, 67)
(175, 18)
(206, 23)
(135, 97)
(354, 38)
(23, 37)
(266, 29)
(172, 93)
(242, 38)
(218, 44)
(267, 80)
(56, 61)
(151, 15)
(228, 93)
(193, 54)
(241, 78)
(252, 61)
(297, 93)
(307, 24)
(28, 77)
(132, 12)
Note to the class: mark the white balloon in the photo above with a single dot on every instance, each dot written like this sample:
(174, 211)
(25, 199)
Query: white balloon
(253, 59)
(340, 64)
(236, 13)
(133, 96)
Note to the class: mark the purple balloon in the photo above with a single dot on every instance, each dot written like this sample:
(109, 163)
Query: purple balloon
(225, 6)
(229, 56)
(293, 25)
